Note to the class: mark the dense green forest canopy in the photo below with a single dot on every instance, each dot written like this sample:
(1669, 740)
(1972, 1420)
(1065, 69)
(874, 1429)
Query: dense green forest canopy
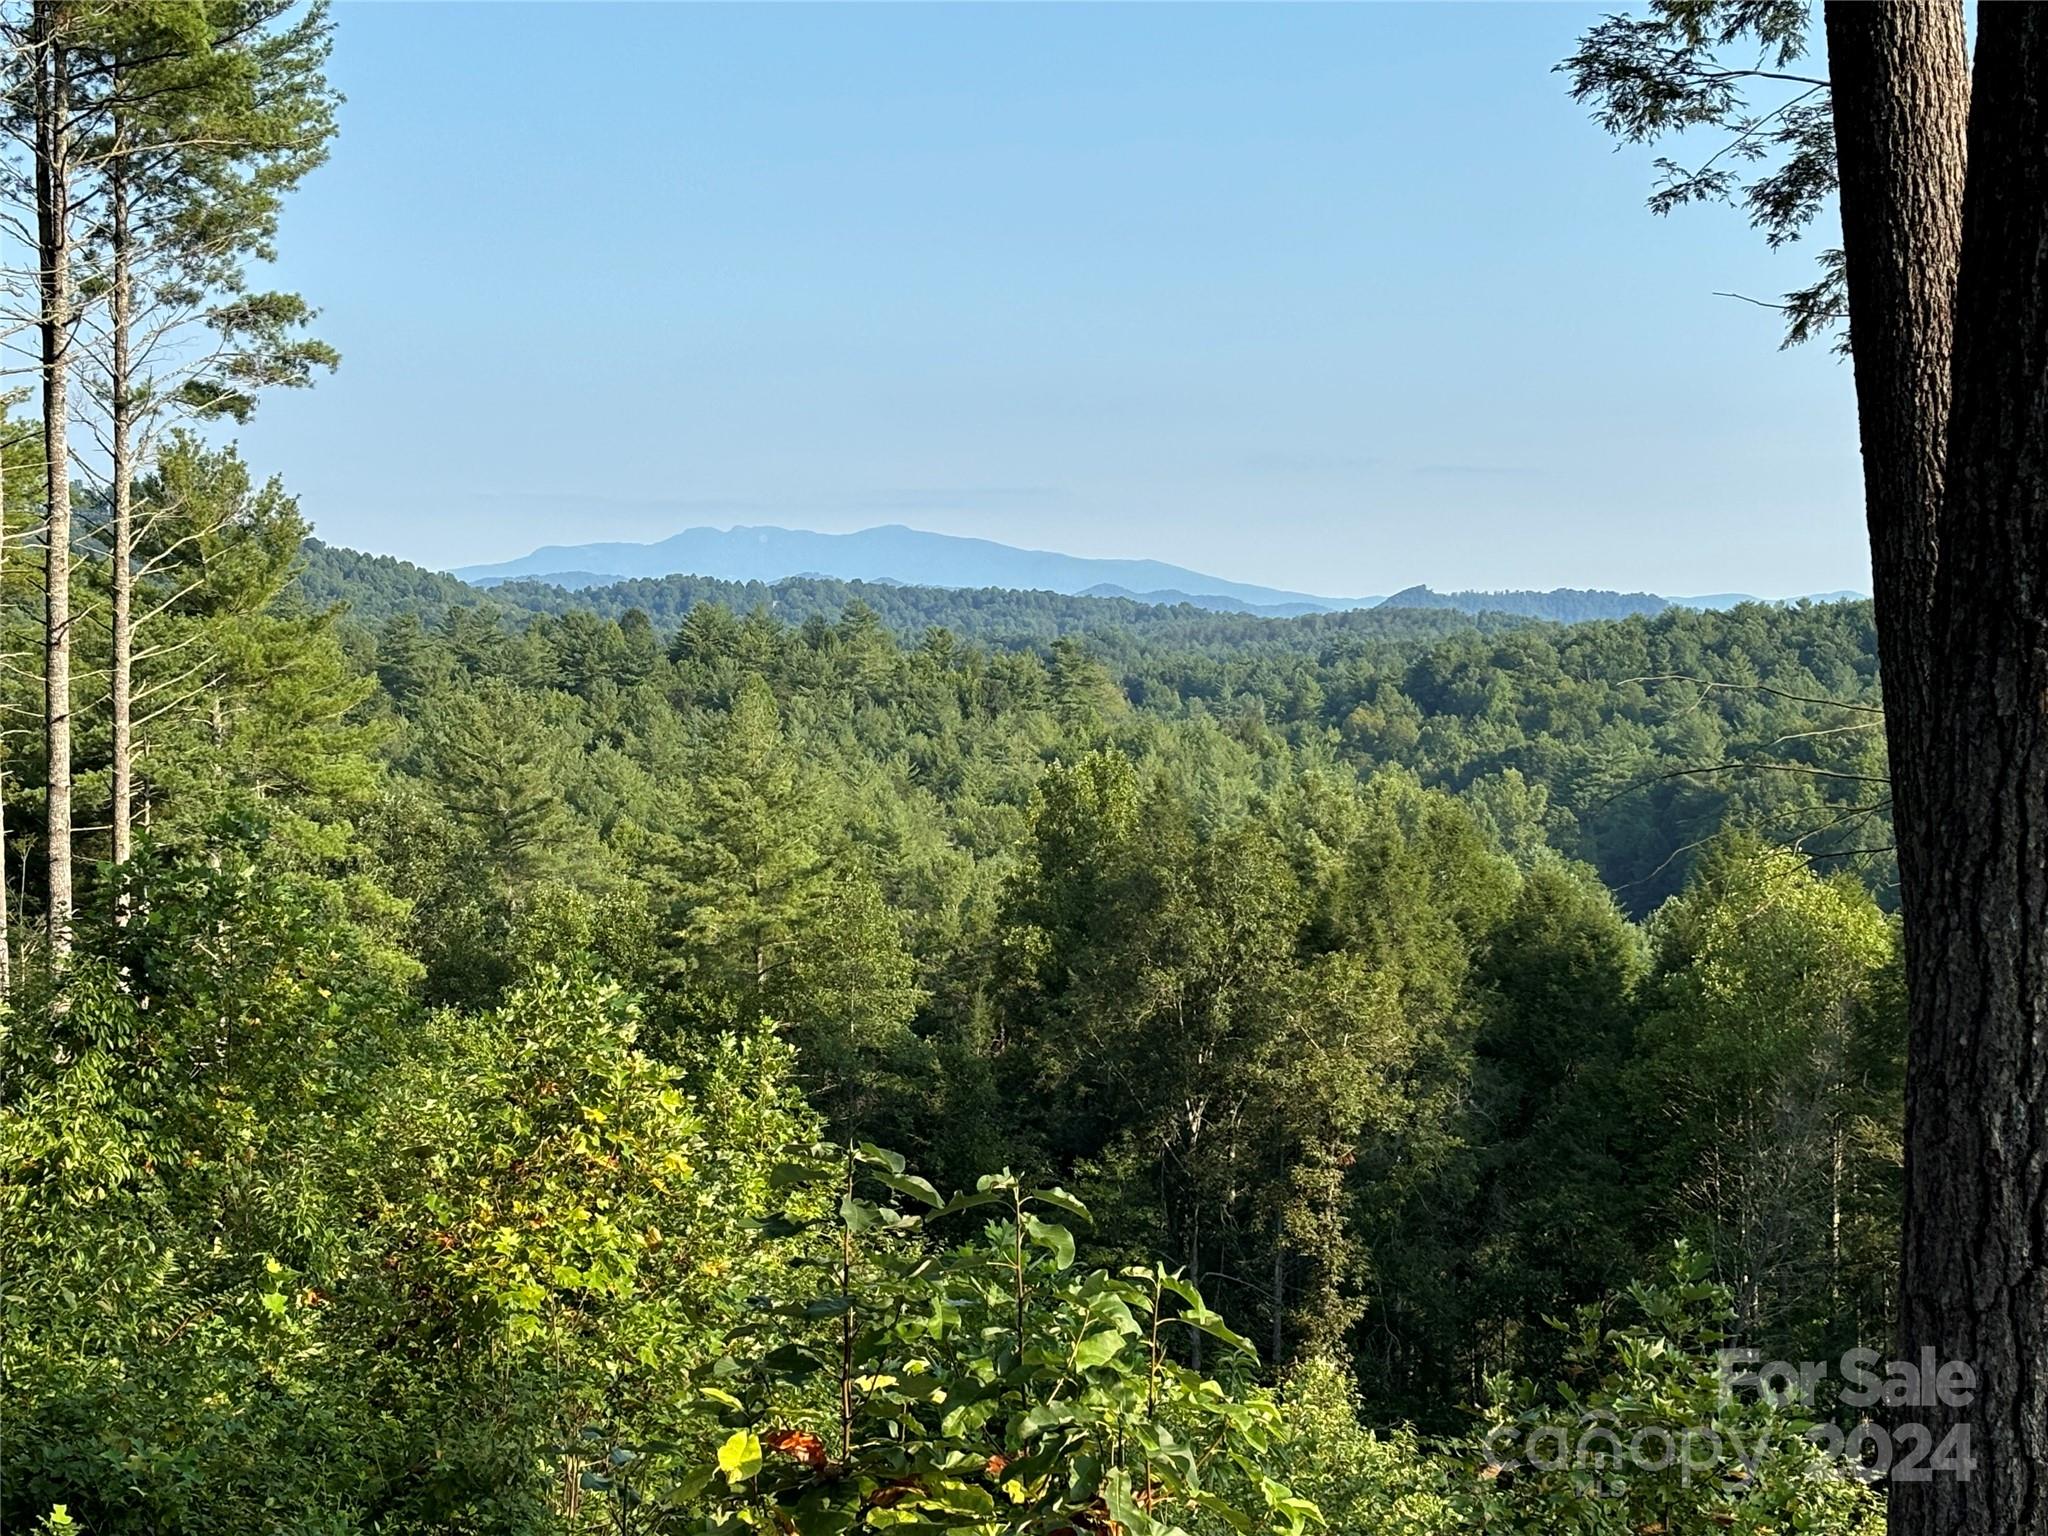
(1393, 982)
(377, 587)
(1623, 744)
(1563, 606)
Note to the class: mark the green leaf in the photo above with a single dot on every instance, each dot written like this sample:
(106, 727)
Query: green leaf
(1052, 1237)
(961, 1499)
(740, 1457)
(1098, 1348)
(817, 1515)
(792, 1360)
(1125, 1510)
(910, 1184)
(1060, 1200)
(1084, 1478)
(966, 1418)
(694, 1482)
(859, 1215)
(786, 1176)
(880, 1157)
(1224, 1510)
(1212, 1324)
(1042, 1418)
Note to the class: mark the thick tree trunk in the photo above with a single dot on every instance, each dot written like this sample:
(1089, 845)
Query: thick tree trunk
(121, 541)
(1975, 1280)
(1949, 317)
(53, 224)
(1901, 90)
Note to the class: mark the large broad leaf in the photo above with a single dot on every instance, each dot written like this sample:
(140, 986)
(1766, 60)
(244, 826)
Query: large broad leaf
(967, 1418)
(880, 1157)
(1060, 1200)
(1212, 1324)
(1123, 1508)
(819, 1514)
(1084, 1478)
(740, 1457)
(1052, 1237)
(967, 1201)
(1107, 1309)
(910, 1184)
(1098, 1348)
(1224, 1510)
(784, 1176)
(792, 1360)
(1042, 1418)
(859, 1215)
(960, 1498)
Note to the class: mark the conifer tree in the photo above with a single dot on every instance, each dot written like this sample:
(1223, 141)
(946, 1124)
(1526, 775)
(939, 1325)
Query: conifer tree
(49, 51)
(205, 118)
(770, 919)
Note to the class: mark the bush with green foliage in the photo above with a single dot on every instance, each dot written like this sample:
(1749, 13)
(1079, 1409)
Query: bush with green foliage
(980, 1383)
(1642, 1433)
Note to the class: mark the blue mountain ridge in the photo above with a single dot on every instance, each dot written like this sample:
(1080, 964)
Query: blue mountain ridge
(907, 555)
(915, 557)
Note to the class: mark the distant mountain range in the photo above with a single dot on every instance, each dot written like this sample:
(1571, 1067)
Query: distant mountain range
(907, 555)
(915, 558)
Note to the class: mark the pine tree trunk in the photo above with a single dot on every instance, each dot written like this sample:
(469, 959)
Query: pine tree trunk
(1975, 1281)
(121, 573)
(1901, 89)
(1958, 501)
(53, 226)
(6, 936)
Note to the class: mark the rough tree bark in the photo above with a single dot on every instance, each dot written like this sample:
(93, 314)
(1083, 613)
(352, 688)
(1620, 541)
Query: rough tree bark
(1947, 251)
(1901, 90)
(53, 229)
(1975, 1283)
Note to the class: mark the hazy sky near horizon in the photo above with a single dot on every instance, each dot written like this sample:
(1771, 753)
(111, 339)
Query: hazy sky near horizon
(1332, 298)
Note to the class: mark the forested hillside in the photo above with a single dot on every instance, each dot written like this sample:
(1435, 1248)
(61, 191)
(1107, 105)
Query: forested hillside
(1289, 958)
(1046, 873)
(377, 587)
(1624, 745)
(1564, 605)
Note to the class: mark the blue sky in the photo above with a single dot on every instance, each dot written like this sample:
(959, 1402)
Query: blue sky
(1335, 298)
